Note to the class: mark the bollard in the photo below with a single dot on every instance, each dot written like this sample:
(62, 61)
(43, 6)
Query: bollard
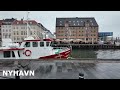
(17, 77)
(81, 76)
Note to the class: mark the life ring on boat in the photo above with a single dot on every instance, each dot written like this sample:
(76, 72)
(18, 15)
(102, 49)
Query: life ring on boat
(28, 52)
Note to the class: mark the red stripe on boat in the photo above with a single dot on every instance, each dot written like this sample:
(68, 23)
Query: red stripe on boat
(11, 49)
(62, 55)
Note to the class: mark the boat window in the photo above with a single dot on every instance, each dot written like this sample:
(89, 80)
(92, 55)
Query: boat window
(35, 44)
(6, 54)
(27, 44)
(18, 53)
(13, 54)
(41, 44)
(47, 44)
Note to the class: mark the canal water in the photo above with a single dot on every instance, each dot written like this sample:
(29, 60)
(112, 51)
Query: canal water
(97, 54)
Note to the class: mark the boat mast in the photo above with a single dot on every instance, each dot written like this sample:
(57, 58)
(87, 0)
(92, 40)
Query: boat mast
(27, 24)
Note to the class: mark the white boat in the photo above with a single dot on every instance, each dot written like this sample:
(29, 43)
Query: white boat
(32, 48)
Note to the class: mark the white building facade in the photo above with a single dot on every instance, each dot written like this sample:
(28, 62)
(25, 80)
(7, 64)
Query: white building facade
(20, 30)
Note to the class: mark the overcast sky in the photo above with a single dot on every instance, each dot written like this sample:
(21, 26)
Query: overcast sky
(108, 21)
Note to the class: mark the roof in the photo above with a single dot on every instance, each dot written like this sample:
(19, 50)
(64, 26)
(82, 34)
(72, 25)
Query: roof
(22, 22)
(76, 21)
(8, 21)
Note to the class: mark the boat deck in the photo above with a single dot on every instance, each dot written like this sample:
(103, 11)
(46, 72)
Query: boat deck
(68, 69)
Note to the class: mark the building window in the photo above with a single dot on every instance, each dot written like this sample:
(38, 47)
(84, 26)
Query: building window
(3, 30)
(17, 33)
(31, 32)
(21, 32)
(94, 38)
(18, 38)
(35, 44)
(6, 30)
(9, 30)
(24, 33)
(16, 27)
(14, 38)
(14, 32)
(9, 35)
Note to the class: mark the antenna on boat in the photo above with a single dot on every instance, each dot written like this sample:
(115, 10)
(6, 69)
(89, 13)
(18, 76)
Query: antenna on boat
(27, 23)
(29, 27)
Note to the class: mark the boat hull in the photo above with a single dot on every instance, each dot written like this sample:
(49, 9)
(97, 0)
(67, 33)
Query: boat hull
(62, 55)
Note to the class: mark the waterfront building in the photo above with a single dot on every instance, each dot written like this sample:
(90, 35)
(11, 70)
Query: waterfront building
(20, 30)
(6, 28)
(84, 29)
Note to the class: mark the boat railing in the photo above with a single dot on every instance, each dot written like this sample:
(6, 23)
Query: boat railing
(63, 48)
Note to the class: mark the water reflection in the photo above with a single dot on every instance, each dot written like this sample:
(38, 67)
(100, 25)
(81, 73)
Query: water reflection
(100, 54)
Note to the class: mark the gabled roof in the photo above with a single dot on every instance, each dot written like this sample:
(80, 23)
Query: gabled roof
(76, 21)
(8, 21)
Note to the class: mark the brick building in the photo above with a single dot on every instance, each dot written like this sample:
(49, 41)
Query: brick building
(82, 29)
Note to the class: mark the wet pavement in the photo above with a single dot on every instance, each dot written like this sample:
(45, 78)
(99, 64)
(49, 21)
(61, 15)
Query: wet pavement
(67, 69)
